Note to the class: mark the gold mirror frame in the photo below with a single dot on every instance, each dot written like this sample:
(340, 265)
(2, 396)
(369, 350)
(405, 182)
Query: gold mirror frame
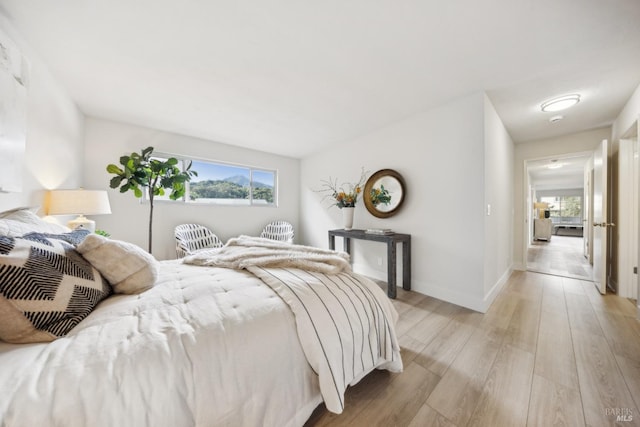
(371, 184)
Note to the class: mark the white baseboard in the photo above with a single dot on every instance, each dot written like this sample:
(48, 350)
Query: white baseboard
(497, 287)
(443, 292)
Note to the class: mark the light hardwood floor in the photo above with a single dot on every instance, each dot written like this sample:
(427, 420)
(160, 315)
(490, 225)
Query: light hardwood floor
(562, 256)
(550, 351)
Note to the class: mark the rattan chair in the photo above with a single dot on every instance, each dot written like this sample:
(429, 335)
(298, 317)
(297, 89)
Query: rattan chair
(192, 237)
(281, 231)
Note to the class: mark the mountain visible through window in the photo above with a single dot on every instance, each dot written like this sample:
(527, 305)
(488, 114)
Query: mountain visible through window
(219, 183)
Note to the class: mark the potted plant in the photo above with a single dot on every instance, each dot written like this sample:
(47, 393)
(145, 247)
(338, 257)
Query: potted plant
(139, 171)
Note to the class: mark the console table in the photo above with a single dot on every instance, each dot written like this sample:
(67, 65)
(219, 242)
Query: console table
(391, 239)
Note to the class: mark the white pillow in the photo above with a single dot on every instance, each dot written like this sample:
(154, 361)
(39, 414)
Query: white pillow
(20, 221)
(15, 228)
(23, 215)
(33, 209)
(128, 268)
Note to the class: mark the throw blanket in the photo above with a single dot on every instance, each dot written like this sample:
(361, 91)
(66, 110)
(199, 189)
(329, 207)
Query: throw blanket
(345, 323)
(244, 251)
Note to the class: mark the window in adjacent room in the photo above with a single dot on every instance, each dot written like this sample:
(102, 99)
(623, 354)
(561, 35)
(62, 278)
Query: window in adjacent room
(565, 209)
(227, 184)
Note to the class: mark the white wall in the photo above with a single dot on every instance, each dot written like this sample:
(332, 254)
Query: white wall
(106, 141)
(627, 117)
(498, 194)
(54, 150)
(568, 144)
(440, 153)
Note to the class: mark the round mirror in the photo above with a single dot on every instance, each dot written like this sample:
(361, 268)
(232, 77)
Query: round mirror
(384, 193)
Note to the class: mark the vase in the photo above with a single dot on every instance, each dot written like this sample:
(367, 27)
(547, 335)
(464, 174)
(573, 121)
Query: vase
(347, 217)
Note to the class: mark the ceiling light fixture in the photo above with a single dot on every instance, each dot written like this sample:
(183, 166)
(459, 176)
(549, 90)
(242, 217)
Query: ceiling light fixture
(554, 164)
(556, 118)
(560, 103)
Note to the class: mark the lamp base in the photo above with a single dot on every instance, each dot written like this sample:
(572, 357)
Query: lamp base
(82, 223)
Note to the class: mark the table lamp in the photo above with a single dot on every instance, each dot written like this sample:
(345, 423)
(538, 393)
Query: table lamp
(541, 207)
(79, 202)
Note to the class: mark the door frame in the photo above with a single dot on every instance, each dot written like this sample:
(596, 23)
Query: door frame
(526, 190)
(627, 217)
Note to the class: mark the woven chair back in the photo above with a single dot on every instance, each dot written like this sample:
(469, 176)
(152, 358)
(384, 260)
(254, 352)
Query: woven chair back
(281, 231)
(192, 237)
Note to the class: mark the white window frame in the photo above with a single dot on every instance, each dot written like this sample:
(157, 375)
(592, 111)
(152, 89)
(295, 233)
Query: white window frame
(183, 162)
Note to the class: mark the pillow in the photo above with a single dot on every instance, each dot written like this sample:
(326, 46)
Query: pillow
(46, 288)
(21, 222)
(128, 268)
(33, 209)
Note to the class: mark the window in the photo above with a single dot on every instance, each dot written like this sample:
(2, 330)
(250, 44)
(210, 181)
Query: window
(220, 183)
(565, 209)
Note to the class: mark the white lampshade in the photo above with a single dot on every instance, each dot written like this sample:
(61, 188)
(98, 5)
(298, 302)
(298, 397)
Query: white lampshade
(79, 202)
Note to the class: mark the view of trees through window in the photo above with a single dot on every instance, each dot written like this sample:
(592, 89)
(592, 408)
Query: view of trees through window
(565, 209)
(230, 184)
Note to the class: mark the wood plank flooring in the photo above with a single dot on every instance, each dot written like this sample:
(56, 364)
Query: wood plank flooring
(551, 351)
(562, 256)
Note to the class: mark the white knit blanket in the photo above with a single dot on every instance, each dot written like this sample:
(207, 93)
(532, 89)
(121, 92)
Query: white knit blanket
(245, 251)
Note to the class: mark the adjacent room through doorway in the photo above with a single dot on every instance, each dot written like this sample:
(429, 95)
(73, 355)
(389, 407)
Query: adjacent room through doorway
(558, 211)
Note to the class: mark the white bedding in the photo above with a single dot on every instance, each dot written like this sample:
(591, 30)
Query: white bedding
(206, 346)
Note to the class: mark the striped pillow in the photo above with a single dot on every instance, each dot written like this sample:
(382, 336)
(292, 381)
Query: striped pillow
(46, 287)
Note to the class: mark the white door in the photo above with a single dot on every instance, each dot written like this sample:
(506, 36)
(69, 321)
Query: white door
(586, 222)
(599, 221)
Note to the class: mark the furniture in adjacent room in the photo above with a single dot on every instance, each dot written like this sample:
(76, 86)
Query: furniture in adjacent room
(391, 239)
(542, 229)
(192, 237)
(281, 231)
(568, 230)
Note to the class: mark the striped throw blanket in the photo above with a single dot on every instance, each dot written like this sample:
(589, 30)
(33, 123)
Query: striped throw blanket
(345, 323)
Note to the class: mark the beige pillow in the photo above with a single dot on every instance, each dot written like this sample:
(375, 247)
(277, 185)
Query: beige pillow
(128, 268)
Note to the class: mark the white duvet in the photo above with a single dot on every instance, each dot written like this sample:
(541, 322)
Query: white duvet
(205, 347)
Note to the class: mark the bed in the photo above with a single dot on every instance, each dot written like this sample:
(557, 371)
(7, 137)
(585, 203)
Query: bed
(205, 345)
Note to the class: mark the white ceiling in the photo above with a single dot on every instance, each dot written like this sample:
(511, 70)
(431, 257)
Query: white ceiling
(293, 77)
(569, 175)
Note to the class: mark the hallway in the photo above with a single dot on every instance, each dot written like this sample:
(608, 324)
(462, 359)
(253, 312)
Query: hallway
(561, 256)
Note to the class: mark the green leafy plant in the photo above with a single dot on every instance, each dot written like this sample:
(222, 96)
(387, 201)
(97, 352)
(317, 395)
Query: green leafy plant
(140, 171)
(380, 196)
(102, 233)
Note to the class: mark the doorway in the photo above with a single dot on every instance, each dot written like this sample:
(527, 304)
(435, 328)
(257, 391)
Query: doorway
(558, 203)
